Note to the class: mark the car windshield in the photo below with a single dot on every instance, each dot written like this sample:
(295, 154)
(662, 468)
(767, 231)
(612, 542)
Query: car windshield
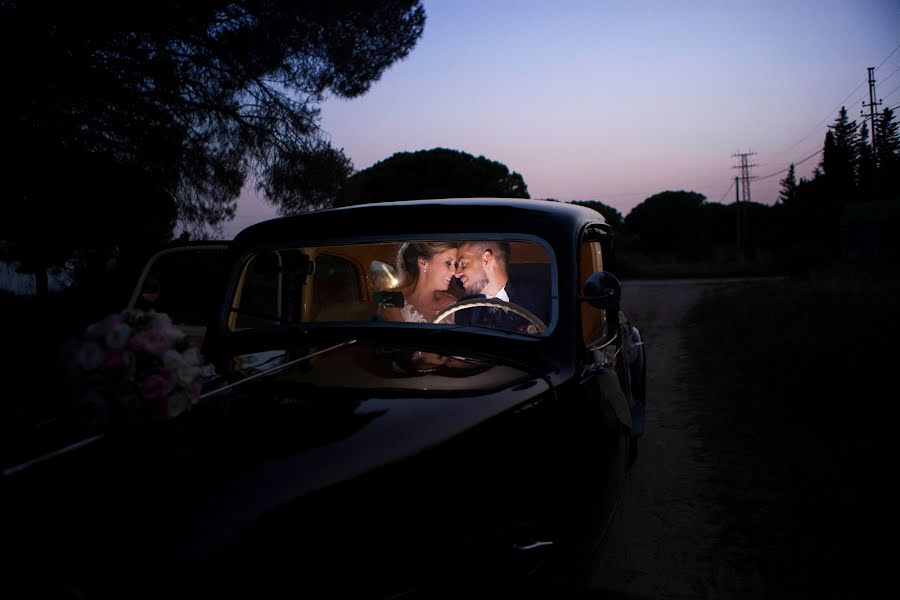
(499, 284)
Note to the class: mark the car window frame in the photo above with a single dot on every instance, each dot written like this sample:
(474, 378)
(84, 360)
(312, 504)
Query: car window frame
(240, 262)
(591, 233)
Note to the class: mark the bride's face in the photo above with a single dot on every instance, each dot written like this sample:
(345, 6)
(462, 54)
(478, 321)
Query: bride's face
(437, 272)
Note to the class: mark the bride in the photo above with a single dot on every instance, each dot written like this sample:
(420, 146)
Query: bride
(426, 270)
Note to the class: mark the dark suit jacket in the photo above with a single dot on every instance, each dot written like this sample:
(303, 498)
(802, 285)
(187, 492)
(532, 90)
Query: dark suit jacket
(524, 293)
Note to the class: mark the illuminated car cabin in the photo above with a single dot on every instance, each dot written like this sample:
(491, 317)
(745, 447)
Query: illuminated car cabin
(355, 282)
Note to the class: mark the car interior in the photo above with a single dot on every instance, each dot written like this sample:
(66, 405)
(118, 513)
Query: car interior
(343, 282)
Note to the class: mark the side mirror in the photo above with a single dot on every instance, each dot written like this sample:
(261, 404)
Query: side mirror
(150, 289)
(602, 290)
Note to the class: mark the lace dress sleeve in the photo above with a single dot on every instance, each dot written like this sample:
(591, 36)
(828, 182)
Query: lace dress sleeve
(411, 315)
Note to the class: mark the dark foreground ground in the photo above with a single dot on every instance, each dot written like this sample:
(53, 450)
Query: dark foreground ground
(794, 383)
(770, 458)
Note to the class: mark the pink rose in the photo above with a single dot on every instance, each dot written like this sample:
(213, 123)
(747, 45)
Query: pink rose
(114, 360)
(152, 341)
(157, 386)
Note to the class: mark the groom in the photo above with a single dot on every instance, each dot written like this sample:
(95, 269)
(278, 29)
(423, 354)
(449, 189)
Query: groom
(483, 270)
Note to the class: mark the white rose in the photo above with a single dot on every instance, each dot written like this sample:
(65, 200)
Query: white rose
(184, 371)
(186, 374)
(192, 356)
(163, 323)
(172, 359)
(118, 335)
(173, 333)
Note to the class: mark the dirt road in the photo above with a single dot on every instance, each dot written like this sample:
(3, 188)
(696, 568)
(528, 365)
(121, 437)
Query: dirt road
(664, 541)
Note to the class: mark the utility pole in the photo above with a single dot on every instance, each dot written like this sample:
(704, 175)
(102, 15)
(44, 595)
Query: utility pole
(872, 105)
(742, 190)
(745, 172)
(737, 203)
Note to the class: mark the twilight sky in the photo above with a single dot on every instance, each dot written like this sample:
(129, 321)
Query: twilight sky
(616, 100)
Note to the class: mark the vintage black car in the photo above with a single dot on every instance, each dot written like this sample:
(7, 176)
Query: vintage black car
(336, 452)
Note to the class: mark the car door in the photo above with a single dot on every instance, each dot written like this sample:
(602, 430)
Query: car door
(597, 421)
(182, 281)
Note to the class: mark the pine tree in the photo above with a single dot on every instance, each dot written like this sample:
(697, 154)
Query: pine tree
(840, 155)
(887, 153)
(788, 194)
(865, 168)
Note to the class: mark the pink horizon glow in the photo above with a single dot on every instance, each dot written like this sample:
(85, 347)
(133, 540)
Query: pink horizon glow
(616, 101)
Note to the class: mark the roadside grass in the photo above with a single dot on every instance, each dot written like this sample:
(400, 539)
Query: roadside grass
(799, 413)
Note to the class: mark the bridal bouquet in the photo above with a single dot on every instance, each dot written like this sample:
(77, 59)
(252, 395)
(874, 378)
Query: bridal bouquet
(134, 366)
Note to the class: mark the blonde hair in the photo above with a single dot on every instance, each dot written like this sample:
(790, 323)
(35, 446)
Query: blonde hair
(409, 254)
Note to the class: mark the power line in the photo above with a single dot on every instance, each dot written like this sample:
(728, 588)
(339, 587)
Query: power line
(891, 75)
(888, 56)
(891, 92)
(746, 178)
(818, 127)
(722, 199)
(799, 162)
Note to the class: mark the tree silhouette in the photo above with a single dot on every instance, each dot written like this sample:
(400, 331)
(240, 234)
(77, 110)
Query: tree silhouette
(840, 156)
(310, 182)
(788, 193)
(865, 168)
(612, 216)
(191, 98)
(887, 153)
(665, 220)
(435, 173)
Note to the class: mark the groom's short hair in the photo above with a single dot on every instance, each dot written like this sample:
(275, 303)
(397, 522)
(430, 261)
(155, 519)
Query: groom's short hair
(500, 249)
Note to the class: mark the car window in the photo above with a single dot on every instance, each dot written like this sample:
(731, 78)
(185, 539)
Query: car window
(592, 320)
(181, 282)
(337, 293)
(406, 282)
(260, 296)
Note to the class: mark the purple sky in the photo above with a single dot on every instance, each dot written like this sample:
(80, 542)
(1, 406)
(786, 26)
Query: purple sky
(618, 100)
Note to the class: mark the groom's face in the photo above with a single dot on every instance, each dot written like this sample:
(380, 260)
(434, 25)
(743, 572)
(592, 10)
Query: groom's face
(470, 269)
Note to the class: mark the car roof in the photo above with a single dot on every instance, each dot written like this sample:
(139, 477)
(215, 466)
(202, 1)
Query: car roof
(544, 218)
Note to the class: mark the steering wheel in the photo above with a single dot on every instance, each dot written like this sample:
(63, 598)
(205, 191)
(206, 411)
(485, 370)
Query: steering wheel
(533, 320)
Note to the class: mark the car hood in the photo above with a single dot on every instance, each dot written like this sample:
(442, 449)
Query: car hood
(175, 491)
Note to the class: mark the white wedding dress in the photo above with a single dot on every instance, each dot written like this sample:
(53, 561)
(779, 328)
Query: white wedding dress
(411, 315)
